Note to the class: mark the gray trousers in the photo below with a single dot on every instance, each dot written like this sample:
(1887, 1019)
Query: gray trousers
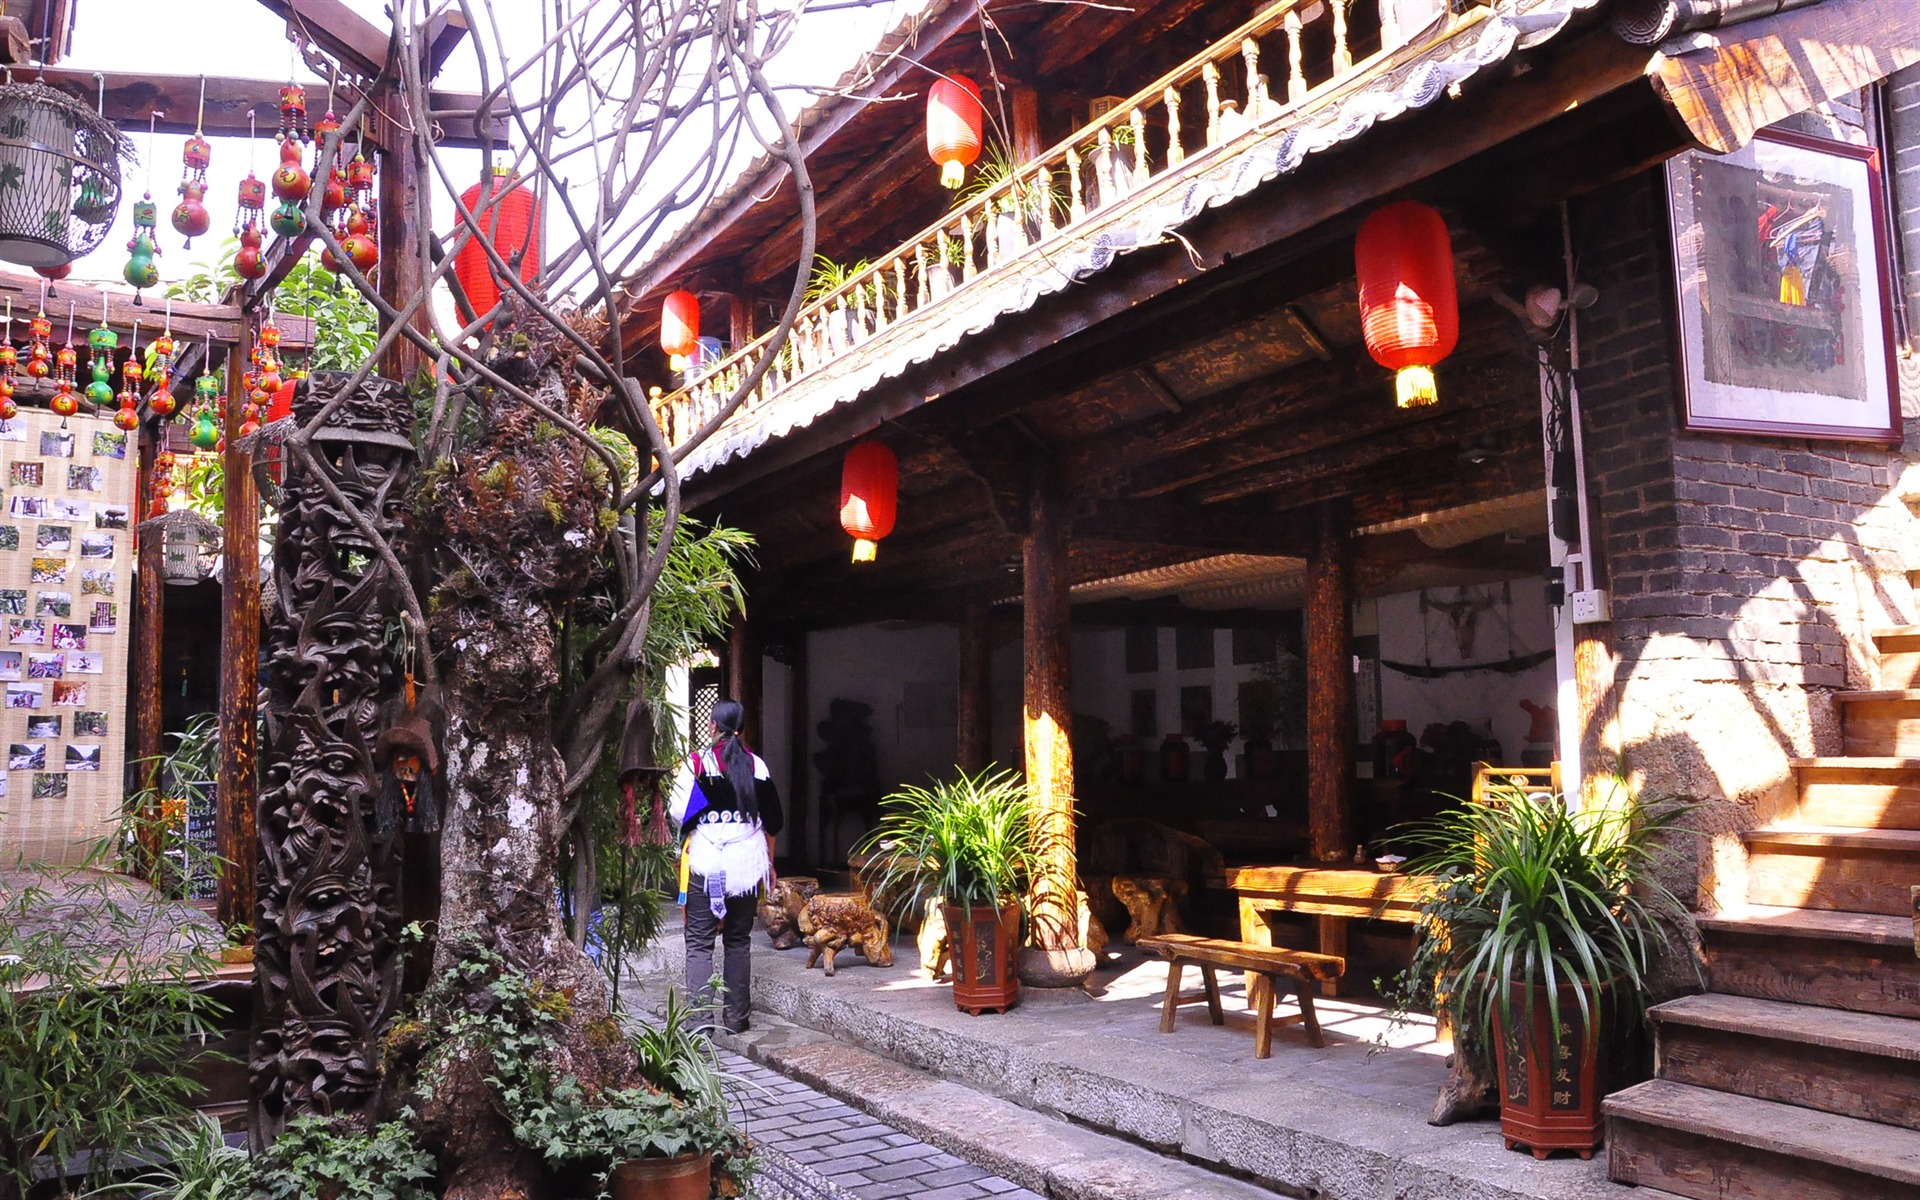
(735, 932)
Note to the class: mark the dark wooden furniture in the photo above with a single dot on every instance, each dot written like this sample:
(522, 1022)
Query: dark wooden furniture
(1300, 971)
(1335, 895)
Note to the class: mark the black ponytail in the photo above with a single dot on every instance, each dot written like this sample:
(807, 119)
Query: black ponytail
(736, 761)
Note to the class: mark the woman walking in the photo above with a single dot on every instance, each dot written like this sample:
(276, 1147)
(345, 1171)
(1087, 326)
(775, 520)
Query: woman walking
(729, 813)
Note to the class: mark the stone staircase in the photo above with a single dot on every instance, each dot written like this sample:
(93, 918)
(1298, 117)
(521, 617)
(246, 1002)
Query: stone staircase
(1798, 1073)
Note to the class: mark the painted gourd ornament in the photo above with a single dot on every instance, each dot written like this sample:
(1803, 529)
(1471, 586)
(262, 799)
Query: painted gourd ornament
(205, 434)
(190, 216)
(251, 205)
(127, 418)
(54, 274)
(141, 271)
(8, 409)
(328, 261)
(362, 250)
(250, 263)
(287, 220)
(39, 353)
(64, 401)
(291, 181)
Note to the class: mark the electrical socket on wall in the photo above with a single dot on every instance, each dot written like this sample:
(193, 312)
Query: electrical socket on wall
(1589, 607)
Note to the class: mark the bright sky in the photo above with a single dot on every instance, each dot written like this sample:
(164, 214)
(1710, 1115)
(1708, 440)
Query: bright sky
(241, 38)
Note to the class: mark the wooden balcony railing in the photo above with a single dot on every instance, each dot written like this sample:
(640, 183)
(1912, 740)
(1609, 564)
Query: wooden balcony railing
(1196, 111)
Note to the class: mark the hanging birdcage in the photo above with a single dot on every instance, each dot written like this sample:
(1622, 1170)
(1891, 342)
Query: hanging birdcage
(59, 176)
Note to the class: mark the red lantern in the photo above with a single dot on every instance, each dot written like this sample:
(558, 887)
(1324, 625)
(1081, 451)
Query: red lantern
(869, 493)
(512, 224)
(954, 116)
(1409, 311)
(680, 324)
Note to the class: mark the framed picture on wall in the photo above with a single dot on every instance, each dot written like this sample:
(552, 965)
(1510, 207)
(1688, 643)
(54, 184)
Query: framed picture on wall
(1785, 310)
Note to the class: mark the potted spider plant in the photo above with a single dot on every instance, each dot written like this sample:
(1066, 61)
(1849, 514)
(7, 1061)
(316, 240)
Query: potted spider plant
(1545, 923)
(967, 842)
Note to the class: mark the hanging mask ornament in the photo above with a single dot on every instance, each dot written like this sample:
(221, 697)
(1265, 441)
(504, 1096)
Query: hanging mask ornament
(291, 183)
(408, 757)
(248, 218)
(9, 366)
(160, 371)
(141, 271)
(190, 216)
(65, 361)
(128, 415)
(101, 343)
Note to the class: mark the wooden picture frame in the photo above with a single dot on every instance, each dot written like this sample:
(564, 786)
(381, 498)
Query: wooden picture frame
(1783, 304)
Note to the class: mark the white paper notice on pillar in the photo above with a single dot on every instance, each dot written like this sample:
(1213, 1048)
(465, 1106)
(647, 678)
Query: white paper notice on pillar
(66, 588)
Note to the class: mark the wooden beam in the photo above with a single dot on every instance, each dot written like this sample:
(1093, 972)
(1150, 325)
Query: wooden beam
(1329, 655)
(1047, 723)
(1754, 74)
(842, 207)
(975, 724)
(1215, 529)
(239, 712)
(337, 30)
(191, 322)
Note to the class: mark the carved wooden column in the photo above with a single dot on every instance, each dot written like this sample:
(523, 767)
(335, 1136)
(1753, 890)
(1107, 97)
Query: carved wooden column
(1330, 732)
(239, 657)
(972, 748)
(1048, 718)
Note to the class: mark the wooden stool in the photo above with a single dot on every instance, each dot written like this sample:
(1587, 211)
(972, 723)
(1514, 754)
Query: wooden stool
(1301, 970)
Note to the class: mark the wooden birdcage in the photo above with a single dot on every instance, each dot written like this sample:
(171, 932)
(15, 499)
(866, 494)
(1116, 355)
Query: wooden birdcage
(59, 176)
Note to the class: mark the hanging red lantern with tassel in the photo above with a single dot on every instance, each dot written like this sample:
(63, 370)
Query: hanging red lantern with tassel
(680, 324)
(954, 117)
(1409, 310)
(512, 225)
(869, 495)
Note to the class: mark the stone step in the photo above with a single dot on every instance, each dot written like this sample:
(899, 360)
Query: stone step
(1854, 1064)
(1881, 722)
(1834, 867)
(1710, 1145)
(1862, 962)
(1871, 793)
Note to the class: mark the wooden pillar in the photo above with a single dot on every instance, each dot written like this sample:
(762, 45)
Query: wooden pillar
(745, 674)
(1594, 673)
(1330, 732)
(799, 748)
(149, 623)
(1027, 142)
(973, 740)
(239, 656)
(403, 268)
(739, 319)
(1048, 720)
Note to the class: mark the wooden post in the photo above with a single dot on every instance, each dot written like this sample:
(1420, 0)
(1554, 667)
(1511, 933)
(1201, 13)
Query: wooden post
(746, 674)
(403, 268)
(739, 319)
(1027, 143)
(239, 657)
(149, 622)
(1048, 719)
(1330, 700)
(972, 742)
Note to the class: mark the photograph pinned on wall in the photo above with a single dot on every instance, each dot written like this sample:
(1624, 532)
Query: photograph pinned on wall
(53, 537)
(70, 637)
(110, 516)
(27, 756)
(13, 431)
(85, 662)
(9, 537)
(26, 631)
(41, 728)
(53, 604)
(69, 693)
(12, 664)
(64, 509)
(56, 444)
(13, 602)
(82, 757)
(85, 479)
(96, 582)
(46, 666)
(1785, 319)
(109, 443)
(27, 506)
(90, 724)
(49, 570)
(24, 695)
(105, 619)
(49, 786)
(96, 545)
(27, 474)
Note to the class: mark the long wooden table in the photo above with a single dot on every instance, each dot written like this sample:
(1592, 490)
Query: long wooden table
(1332, 895)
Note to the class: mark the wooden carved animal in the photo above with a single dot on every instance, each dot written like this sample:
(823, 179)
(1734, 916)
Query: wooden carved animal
(936, 954)
(832, 922)
(1152, 905)
(780, 910)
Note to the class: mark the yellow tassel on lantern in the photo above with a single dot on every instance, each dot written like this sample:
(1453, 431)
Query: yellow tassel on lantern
(1793, 286)
(1414, 387)
(953, 173)
(865, 550)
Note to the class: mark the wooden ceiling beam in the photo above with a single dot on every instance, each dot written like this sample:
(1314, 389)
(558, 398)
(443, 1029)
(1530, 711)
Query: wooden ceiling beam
(1216, 529)
(844, 205)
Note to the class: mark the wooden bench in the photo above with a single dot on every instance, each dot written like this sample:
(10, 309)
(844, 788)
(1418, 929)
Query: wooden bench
(1301, 971)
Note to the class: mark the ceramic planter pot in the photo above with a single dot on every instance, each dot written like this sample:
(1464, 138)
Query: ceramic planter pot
(1550, 1088)
(689, 1177)
(985, 945)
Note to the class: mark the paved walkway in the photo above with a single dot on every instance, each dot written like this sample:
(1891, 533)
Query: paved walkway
(846, 1153)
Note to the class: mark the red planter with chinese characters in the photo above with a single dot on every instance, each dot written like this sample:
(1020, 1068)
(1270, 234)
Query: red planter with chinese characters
(1550, 1088)
(985, 944)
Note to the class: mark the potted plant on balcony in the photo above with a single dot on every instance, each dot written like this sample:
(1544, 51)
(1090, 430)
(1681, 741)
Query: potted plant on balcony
(966, 841)
(1544, 928)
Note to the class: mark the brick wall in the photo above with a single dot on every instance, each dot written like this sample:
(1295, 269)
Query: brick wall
(1745, 572)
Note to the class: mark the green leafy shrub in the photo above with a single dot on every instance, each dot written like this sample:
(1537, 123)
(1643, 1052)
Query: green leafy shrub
(968, 840)
(317, 1157)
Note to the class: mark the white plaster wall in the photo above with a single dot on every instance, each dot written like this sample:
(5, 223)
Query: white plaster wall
(870, 663)
(1506, 630)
